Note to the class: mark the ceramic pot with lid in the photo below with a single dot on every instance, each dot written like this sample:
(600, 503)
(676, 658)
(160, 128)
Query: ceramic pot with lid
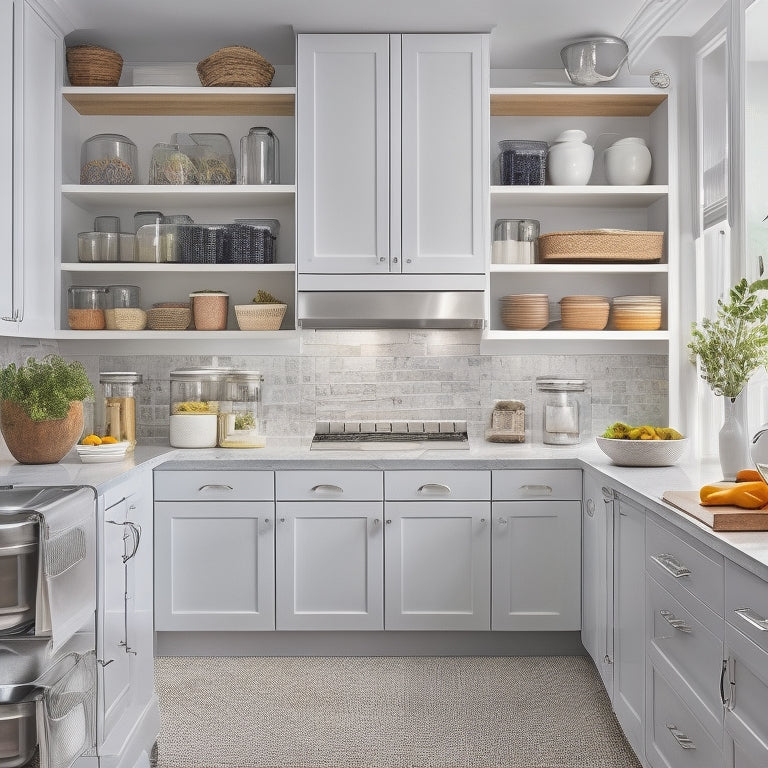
(628, 162)
(570, 159)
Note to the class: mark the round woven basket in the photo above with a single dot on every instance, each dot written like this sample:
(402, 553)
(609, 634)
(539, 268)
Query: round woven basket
(92, 65)
(260, 317)
(235, 66)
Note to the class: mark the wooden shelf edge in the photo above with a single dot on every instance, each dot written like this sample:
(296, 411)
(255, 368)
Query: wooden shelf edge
(606, 102)
(548, 269)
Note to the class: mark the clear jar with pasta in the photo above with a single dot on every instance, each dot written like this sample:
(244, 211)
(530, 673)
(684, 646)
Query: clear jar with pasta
(118, 405)
(240, 422)
(194, 407)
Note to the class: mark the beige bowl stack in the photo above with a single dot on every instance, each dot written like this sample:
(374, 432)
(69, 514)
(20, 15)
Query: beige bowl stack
(584, 313)
(525, 311)
(636, 313)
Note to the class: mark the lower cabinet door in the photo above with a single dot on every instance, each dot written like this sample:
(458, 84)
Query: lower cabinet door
(437, 565)
(536, 565)
(329, 565)
(214, 566)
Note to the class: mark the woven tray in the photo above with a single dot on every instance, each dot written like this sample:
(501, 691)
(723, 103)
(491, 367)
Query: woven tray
(260, 317)
(92, 65)
(235, 66)
(601, 245)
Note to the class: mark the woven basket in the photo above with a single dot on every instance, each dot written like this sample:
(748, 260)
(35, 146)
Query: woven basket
(169, 318)
(235, 66)
(601, 245)
(126, 319)
(260, 317)
(92, 65)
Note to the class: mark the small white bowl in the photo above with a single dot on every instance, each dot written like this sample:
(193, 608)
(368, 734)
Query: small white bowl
(642, 453)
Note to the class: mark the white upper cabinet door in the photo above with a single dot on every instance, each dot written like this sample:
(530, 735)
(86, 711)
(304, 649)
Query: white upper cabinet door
(444, 125)
(437, 565)
(329, 565)
(343, 153)
(6, 167)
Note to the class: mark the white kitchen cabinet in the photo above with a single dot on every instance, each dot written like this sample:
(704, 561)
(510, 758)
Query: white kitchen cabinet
(33, 53)
(129, 719)
(629, 619)
(597, 576)
(214, 565)
(536, 551)
(391, 141)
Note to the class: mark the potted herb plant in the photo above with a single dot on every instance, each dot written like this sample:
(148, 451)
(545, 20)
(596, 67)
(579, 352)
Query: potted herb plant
(41, 408)
(729, 349)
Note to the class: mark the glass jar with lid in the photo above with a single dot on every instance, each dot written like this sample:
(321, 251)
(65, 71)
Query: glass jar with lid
(85, 307)
(108, 158)
(123, 312)
(118, 405)
(194, 406)
(563, 400)
(240, 423)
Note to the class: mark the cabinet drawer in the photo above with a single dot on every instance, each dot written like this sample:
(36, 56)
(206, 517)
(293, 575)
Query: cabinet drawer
(514, 484)
(674, 736)
(210, 485)
(342, 485)
(689, 651)
(746, 603)
(432, 485)
(684, 564)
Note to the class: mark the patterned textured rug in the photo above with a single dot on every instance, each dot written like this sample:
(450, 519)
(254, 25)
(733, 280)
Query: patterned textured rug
(385, 712)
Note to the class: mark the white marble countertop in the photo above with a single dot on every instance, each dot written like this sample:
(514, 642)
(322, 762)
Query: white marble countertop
(643, 484)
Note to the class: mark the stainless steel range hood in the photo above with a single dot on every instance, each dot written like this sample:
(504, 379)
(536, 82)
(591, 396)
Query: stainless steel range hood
(390, 309)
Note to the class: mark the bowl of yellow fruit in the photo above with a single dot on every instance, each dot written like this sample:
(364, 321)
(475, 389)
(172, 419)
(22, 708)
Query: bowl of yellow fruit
(643, 446)
(93, 449)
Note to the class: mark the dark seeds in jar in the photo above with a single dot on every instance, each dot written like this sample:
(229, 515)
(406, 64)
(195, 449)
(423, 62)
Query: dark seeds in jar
(106, 170)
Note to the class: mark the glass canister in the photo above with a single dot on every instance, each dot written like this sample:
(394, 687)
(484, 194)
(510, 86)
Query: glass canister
(240, 423)
(85, 308)
(194, 407)
(515, 241)
(118, 405)
(561, 409)
(123, 311)
(259, 157)
(108, 158)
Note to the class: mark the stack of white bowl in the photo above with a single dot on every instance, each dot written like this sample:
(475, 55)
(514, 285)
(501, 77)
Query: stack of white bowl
(636, 313)
(584, 313)
(525, 311)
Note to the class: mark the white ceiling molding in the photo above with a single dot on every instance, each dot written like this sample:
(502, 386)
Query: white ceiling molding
(647, 24)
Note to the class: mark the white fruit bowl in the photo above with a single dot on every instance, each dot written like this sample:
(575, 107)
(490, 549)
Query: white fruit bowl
(642, 453)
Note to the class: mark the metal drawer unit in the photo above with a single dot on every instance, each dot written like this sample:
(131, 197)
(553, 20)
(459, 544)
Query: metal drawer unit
(213, 485)
(683, 565)
(536, 484)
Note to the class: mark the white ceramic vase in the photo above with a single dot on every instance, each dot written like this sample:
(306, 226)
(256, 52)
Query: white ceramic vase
(570, 159)
(733, 440)
(628, 162)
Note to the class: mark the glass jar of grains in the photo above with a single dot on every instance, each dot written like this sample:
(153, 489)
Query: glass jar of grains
(85, 307)
(118, 405)
(194, 407)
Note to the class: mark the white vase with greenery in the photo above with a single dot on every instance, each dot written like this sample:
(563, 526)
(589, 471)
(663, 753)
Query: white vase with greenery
(729, 349)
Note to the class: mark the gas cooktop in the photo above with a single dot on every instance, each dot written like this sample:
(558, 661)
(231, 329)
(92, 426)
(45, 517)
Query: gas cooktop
(389, 435)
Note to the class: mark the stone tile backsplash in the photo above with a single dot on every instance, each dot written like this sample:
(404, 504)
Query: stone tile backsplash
(406, 374)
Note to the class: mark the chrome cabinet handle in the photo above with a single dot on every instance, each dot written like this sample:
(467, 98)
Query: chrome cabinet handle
(266, 522)
(536, 490)
(388, 522)
(753, 618)
(503, 521)
(327, 488)
(434, 489)
(482, 520)
(215, 487)
(722, 683)
(684, 741)
(590, 507)
(673, 621)
(135, 531)
(376, 521)
(672, 565)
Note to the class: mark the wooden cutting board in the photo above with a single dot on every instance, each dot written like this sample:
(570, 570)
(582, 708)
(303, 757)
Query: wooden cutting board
(718, 518)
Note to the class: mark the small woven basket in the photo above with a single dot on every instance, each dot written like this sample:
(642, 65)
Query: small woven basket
(169, 318)
(601, 245)
(126, 319)
(92, 65)
(260, 317)
(235, 66)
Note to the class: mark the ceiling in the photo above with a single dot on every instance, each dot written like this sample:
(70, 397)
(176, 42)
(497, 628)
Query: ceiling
(526, 34)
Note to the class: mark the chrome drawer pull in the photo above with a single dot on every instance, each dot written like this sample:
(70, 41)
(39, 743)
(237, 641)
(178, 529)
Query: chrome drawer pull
(753, 618)
(591, 507)
(684, 741)
(434, 489)
(673, 621)
(327, 488)
(503, 521)
(536, 490)
(215, 487)
(671, 565)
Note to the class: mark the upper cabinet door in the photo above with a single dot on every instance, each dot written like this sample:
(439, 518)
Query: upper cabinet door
(343, 153)
(6, 166)
(444, 169)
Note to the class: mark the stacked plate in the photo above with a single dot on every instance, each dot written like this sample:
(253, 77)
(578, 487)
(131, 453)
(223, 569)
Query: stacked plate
(636, 313)
(525, 311)
(584, 313)
(98, 454)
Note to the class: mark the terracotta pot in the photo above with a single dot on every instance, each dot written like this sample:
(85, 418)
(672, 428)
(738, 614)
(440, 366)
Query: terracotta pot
(39, 442)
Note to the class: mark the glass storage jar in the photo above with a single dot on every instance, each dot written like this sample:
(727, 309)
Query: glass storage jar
(108, 158)
(561, 409)
(123, 311)
(515, 241)
(259, 157)
(240, 423)
(85, 307)
(118, 405)
(194, 407)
